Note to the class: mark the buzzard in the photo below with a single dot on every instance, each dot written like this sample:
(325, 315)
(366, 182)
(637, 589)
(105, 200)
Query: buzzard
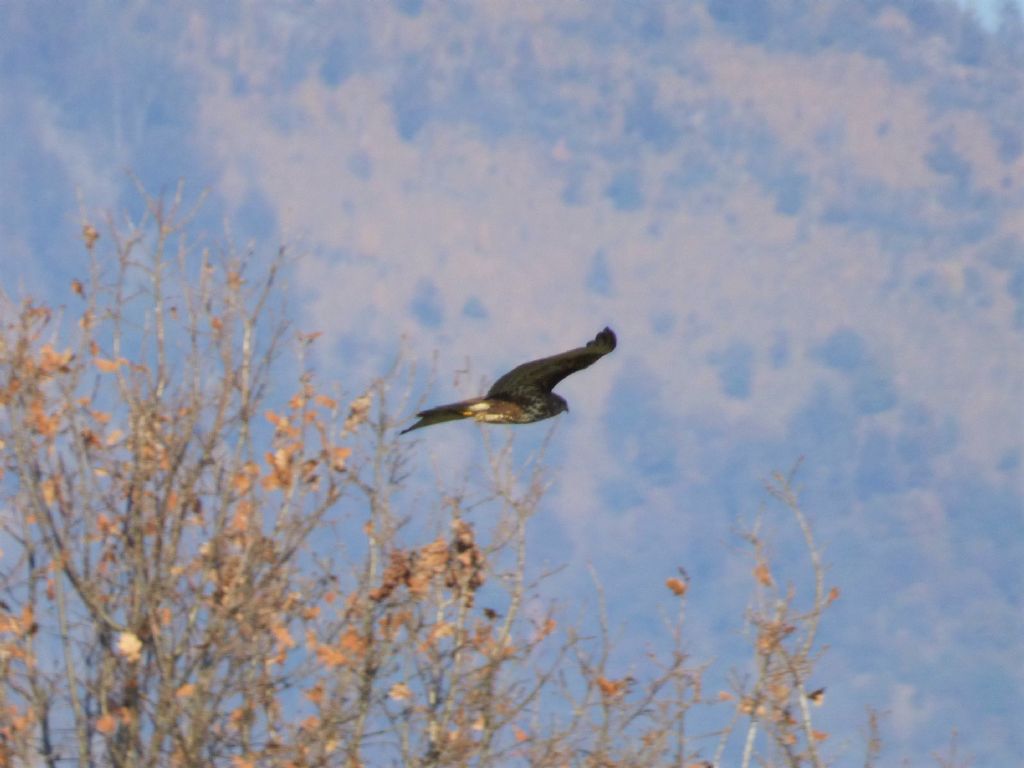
(523, 395)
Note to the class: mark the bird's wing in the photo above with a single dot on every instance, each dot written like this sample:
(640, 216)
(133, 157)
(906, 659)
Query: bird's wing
(545, 373)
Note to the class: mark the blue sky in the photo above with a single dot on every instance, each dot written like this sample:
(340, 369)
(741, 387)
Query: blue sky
(808, 249)
(987, 10)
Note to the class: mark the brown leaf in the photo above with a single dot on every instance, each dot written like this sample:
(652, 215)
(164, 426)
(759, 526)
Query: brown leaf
(89, 235)
(106, 526)
(129, 646)
(611, 688)
(545, 629)
(49, 491)
(326, 402)
(107, 366)
(106, 724)
(185, 691)
(763, 575)
(280, 462)
(330, 656)
(359, 410)
(283, 636)
(315, 694)
(678, 586)
(50, 360)
(352, 642)
(339, 457)
(400, 692)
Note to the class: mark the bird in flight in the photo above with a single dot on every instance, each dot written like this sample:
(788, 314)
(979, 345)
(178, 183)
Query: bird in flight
(523, 395)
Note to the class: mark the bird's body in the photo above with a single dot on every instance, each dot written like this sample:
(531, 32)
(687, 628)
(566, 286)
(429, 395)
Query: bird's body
(523, 395)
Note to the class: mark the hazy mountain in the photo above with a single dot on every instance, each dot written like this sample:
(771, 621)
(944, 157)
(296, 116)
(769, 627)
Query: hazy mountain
(804, 220)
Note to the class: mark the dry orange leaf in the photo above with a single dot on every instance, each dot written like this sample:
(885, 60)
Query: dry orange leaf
(819, 735)
(358, 410)
(353, 643)
(51, 360)
(338, 458)
(833, 595)
(106, 724)
(107, 366)
(611, 688)
(49, 489)
(8, 623)
(331, 657)
(400, 692)
(763, 575)
(106, 526)
(284, 637)
(89, 235)
(315, 694)
(678, 586)
(326, 402)
(546, 629)
(129, 646)
(520, 734)
(185, 691)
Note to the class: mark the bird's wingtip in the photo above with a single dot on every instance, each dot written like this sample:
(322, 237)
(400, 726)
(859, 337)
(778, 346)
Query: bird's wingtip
(607, 338)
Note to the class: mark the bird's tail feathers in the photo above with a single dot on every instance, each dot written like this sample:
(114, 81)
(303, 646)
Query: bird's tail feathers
(441, 414)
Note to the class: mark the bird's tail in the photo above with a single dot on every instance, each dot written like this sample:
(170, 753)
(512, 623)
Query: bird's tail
(443, 413)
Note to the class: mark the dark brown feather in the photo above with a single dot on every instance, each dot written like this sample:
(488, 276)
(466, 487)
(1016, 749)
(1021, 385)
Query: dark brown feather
(545, 373)
(441, 414)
